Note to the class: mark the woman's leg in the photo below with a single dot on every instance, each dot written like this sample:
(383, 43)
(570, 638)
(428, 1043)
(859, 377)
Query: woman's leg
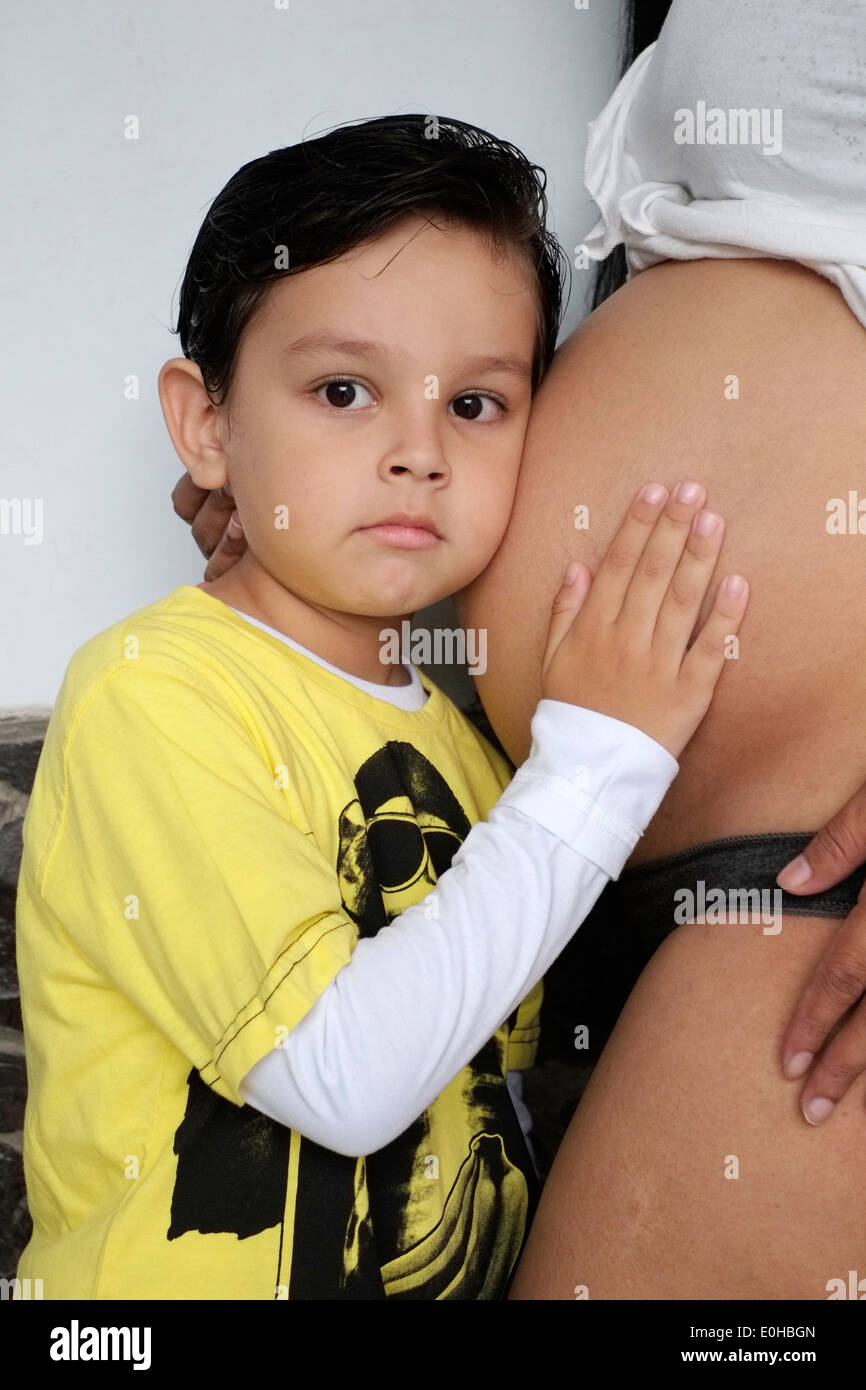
(688, 1170)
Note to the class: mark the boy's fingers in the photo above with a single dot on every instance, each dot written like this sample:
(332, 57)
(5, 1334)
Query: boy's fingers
(687, 589)
(660, 558)
(618, 566)
(567, 602)
(228, 551)
(706, 656)
(837, 849)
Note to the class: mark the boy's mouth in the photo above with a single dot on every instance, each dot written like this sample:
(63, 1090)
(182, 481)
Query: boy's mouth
(401, 529)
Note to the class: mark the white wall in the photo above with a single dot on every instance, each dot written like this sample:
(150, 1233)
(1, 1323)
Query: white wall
(97, 229)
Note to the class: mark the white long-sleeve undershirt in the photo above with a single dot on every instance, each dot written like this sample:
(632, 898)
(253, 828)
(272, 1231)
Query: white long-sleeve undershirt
(417, 1001)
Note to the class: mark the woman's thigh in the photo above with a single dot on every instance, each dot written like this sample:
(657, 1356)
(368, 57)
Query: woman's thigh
(688, 1170)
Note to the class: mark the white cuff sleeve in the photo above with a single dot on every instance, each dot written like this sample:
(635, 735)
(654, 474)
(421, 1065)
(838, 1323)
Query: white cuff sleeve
(592, 780)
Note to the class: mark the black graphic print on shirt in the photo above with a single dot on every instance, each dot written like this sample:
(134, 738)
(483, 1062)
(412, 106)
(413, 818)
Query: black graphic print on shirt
(387, 1225)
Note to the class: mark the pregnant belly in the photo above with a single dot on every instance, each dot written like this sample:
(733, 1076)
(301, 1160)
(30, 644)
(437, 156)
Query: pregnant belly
(749, 376)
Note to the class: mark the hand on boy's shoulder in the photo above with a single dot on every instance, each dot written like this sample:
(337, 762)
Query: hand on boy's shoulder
(209, 513)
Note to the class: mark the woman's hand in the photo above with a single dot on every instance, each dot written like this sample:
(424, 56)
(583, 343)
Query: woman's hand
(840, 980)
(216, 527)
(622, 648)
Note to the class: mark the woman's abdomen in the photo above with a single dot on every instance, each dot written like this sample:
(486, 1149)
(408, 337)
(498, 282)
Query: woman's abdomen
(749, 376)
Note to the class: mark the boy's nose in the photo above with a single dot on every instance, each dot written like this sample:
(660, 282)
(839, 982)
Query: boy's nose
(427, 468)
(416, 441)
(422, 456)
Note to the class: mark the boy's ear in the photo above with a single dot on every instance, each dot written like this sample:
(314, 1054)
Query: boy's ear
(193, 422)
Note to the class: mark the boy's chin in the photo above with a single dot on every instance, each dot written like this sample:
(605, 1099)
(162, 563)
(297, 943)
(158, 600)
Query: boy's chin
(388, 604)
(386, 612)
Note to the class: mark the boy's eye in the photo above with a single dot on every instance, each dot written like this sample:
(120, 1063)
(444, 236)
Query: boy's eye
(342, 393)
(469, 408)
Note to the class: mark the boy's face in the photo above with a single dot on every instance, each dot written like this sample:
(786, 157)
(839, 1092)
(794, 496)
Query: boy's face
(426, 427)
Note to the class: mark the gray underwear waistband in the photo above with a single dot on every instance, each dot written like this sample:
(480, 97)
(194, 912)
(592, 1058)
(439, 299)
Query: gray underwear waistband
(590, 981)
(738, 862)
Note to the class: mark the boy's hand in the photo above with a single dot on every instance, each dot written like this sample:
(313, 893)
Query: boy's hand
(211, 514)
(621, 645)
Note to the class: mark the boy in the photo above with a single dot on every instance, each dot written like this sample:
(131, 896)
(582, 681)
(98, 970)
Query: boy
(275, 963)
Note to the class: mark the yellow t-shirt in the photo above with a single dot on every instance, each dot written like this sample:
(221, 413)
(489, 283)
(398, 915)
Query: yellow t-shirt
(214, 822)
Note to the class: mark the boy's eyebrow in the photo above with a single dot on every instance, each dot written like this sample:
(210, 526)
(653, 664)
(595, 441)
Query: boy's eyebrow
(313, 343)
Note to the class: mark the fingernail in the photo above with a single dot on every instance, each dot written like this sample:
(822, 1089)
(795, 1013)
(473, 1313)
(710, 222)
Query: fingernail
(797, 1065)
(734, 585)
(817, 1110)
(653, 492)
(687, 492)
(571, 573)
(795, 873)
(235, 528)
(707, 523)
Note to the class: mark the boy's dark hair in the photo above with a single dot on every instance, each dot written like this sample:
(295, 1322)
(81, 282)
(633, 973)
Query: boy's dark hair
(323, 196)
